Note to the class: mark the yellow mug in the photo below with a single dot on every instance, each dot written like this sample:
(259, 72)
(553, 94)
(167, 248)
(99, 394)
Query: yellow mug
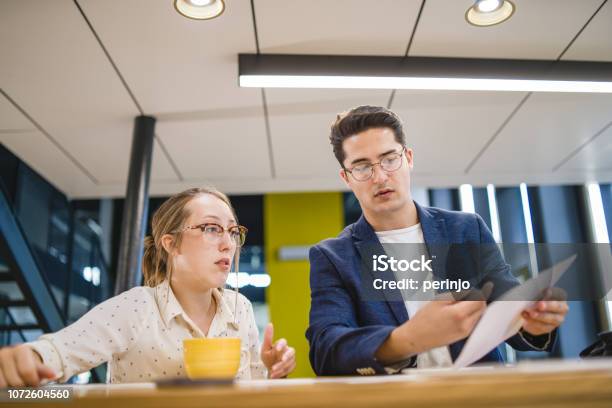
(217, 357)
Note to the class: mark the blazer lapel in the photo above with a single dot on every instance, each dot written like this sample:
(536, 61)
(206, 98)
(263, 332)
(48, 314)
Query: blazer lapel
(367, 244)
(436, 239)
(455, 349)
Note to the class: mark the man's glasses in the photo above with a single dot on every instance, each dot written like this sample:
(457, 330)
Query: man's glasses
(390, 162)
(213, 232)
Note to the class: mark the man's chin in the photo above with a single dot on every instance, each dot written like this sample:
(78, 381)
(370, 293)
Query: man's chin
(389, 205)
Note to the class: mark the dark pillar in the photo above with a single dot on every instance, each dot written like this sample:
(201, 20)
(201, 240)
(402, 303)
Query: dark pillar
(136, 205)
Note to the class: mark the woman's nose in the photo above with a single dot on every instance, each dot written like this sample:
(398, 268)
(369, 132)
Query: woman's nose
(225, 241)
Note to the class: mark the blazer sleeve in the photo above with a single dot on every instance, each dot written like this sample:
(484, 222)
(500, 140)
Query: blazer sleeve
(338, 346)
(498, 272)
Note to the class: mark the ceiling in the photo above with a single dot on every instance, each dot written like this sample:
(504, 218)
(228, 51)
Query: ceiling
(74, 74)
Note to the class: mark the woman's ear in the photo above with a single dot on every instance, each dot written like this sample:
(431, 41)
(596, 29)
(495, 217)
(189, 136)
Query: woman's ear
(167, 242)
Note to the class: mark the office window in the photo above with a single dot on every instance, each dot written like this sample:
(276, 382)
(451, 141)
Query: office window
(447, 198)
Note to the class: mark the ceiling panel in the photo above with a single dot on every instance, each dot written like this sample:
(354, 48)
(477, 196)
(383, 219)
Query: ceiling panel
(227, 185)
(175, 64)
(447, 129)
(595, 155)
(347, 27)
(161, 169)
(300, 121)
(184, 72)
(595, 42)
(11, 119)
(46, 159)
(511, 178)
(56, 72)
(546, 130)
(538, 30)
(217, 148)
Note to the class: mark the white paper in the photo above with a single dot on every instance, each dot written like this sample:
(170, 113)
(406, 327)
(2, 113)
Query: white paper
(502, 318)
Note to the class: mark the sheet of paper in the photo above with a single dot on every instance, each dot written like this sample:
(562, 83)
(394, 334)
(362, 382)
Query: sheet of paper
(502, 319)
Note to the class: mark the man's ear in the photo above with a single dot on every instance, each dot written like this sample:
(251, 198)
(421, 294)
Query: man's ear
(344, 177)
(410, 158)
(167, 242)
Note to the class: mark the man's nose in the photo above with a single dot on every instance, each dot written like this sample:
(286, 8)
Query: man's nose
(379, 175)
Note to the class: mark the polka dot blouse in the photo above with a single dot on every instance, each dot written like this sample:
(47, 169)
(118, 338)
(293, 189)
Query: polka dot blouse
(140, 334)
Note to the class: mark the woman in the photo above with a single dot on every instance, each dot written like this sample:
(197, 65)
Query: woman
(140, 332)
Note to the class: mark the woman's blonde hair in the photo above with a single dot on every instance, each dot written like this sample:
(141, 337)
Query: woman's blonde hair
(168, 219)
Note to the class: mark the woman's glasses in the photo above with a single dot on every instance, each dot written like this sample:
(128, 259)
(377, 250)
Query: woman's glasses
(214, 232)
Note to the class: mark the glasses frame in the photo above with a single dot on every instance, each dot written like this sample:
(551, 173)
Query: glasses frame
(400, 153)
(243, 230)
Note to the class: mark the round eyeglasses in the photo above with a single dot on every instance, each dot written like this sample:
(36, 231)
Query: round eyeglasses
(390, 162)
(213, 232)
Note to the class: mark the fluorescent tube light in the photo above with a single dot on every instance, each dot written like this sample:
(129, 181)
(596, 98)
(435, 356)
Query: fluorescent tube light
(450, 84)
(423, 73)
(495, 228)
(466, 196)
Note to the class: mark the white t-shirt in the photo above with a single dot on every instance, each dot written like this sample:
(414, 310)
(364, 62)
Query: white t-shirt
(436, 357)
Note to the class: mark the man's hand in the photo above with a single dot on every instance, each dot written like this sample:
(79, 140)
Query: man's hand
(546, 315)
(21, 366)
(442, 322)
(278, 357)
(438, 323)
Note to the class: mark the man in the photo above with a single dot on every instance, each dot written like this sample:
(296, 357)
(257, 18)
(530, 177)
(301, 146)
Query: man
(350, 334)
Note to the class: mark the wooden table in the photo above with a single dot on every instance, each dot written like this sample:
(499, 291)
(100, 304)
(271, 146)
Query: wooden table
(542, 385)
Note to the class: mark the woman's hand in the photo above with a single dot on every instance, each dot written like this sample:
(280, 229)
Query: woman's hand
(22, 366)
(278, 357)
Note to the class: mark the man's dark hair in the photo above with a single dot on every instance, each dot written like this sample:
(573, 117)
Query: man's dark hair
(360, 119)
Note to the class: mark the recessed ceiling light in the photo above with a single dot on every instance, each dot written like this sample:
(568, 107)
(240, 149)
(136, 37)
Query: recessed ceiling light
(200, 9)
(486, 13)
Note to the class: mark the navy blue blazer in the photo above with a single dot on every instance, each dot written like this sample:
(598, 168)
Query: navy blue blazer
(345, 331)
